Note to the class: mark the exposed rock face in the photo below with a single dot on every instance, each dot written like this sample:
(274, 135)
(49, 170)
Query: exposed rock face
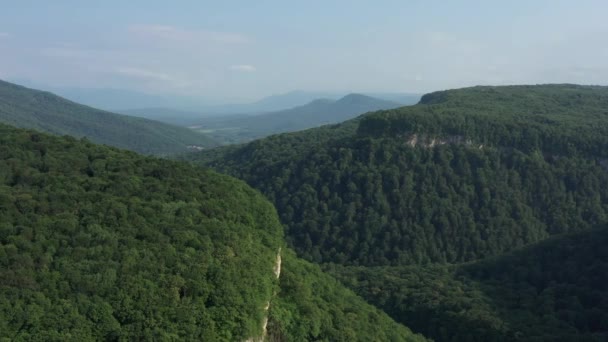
(425, 141)
(277, 273)
(277, 265)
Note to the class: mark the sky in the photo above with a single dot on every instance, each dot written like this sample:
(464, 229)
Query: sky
(226, 50)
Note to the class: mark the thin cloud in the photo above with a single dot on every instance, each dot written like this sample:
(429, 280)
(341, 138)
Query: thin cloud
(243, 67)
(4, 35)
(144, 74)
(172, 33)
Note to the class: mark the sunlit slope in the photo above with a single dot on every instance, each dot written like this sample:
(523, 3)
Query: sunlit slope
(29, 108)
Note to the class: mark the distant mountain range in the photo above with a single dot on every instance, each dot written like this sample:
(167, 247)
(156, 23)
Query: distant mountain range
(272, 103)
(182, 108)
(298, 98)
(222, 124)
(29, 108)
(170, 115)
(240, 128)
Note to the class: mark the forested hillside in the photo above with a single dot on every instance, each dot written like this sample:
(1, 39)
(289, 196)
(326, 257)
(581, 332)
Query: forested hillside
(29, 108)
(557, 119)
(312, 306)
(98, 243)
(464, 175)
(553, 291)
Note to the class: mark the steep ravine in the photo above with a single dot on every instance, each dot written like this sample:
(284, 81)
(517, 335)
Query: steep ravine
(277, 273)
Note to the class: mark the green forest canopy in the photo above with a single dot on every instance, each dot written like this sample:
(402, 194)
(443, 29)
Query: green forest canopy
(469, 174)
(509, 166)
(98, 243)
(552, 291)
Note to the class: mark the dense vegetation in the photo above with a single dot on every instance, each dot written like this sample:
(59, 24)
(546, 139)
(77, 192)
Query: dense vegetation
(28, 108)
(553, 291)
(557, 119)
(102, 244)
(464, 175)
(312, 306)
(242, 128)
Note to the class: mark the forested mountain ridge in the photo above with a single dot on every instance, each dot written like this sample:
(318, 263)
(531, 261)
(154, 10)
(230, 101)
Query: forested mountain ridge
(551, 291)
(97, 243)
(551, 118)
(360, 193)
(29, 108)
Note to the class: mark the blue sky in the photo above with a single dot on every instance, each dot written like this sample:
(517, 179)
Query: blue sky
(247, 49)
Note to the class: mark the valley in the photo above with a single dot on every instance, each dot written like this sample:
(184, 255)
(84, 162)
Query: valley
(234, 128)
(323, 171)
(454, 217)
(402, 204)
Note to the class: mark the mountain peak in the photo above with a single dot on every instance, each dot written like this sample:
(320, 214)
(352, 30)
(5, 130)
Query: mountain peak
(356, 98)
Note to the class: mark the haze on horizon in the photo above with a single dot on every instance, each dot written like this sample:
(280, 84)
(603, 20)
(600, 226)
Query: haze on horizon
(246, 50)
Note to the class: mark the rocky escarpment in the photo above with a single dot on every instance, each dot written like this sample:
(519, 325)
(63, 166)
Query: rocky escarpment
(277, 273)
(427, 141)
